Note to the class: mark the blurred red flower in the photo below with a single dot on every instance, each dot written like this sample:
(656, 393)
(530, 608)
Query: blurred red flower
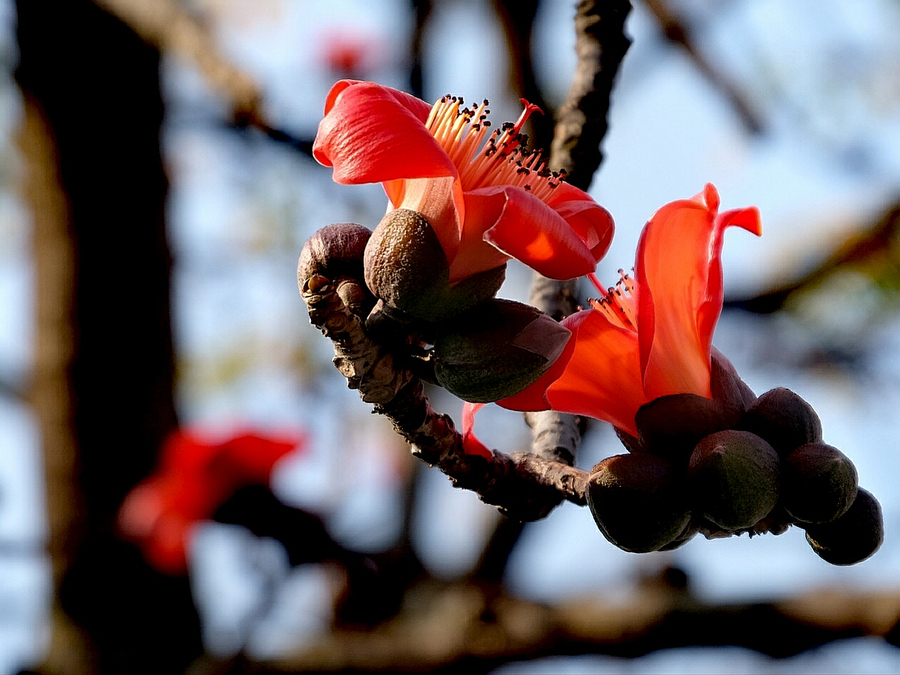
(193, 478)
(486, 197)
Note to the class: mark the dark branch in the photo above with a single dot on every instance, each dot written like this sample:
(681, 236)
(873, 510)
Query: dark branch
(523, 485)
(601, 44)
(581, 123)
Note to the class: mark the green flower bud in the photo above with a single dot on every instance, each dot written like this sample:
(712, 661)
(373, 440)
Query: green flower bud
(638, 501)
(672, 425)
(852, 537)
(784, 419)
(406, 267)
(818, 483)
(734, 479)
(496, 350)
(333, 251)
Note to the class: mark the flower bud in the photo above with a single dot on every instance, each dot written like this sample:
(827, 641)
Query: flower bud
(406, 267)
(727, 386)
(818, 483)
(734, 479)
(689, 532)
(638, 501)
(495, 350)
(333, 251)
(672, 425)
(784, 419)
(852, 537)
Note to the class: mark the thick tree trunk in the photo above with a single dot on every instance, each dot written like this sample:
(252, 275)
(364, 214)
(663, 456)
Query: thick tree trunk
(103, 351)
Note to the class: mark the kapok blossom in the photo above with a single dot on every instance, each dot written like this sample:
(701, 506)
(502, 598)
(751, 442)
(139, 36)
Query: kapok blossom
(194, 477)
(486, 197)
(651, 335)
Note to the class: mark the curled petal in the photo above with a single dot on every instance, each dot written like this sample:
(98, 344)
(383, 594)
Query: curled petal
(540, 236)
(679, 291)
(590, 221)
(372, 133)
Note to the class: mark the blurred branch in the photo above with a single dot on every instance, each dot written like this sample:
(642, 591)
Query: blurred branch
(601, 44)
(679, 34)
(168, 27)
(517, 17)
(421, 13)
(525, 486)
(10, 390)
(461, 628)
(874, 250)
(581, 124)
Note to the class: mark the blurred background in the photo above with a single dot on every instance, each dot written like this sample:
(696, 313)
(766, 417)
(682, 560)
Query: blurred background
(156, 188)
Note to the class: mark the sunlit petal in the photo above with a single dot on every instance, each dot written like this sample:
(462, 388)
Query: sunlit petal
(602, 377)
(679, 292)
(372, 134)
(531, 231)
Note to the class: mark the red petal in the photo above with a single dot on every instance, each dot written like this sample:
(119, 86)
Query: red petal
(440, 201)
(372, 133)
(602, 378)
(591, 222)
(531, 231)
(483, 208)
(679, 291)
(471, 444)
(534, 396)
(598, 375)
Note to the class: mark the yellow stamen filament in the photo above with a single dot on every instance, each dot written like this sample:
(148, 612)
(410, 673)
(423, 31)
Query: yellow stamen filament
(485, 157)
(617, 303)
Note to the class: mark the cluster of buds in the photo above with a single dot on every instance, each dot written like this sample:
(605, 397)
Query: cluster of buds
(728, 465)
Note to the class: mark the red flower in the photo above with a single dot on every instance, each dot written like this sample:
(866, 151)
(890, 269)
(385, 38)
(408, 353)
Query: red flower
(195, 476)
(484, 195)
(651, 335)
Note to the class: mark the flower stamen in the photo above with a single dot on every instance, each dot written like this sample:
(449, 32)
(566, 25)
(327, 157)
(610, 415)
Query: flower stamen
(486, 157)
(617, 302)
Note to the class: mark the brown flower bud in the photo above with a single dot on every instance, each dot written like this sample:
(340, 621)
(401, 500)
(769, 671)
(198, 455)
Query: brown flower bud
(406, 267)
(727, 386)
(638, 501)
(818, 483)
(784, 419)
(734, 479)
(689, 532)
(495, 350)
(672, 425)
(335, 250)
(852, 537)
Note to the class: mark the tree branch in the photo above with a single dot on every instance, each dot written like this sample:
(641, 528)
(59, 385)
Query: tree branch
(581, 124)
(601, 44)
(166, 25)
(523, 485)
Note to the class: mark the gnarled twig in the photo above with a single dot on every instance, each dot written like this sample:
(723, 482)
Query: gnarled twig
(524, 486)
